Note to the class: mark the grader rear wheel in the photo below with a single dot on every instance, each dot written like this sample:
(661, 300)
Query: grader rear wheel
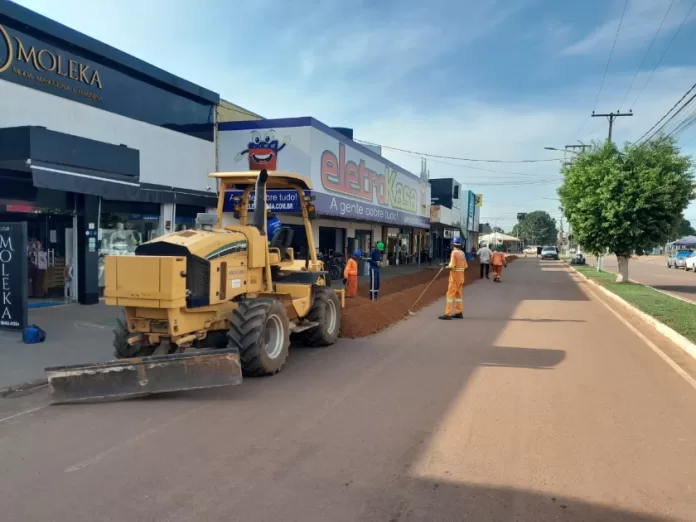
(123, 350)
(260, 330)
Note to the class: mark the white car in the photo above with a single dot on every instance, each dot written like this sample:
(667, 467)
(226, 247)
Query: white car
(530, 250)
(690, 262)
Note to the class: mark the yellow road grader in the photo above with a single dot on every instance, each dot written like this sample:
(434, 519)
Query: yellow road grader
(203, 307)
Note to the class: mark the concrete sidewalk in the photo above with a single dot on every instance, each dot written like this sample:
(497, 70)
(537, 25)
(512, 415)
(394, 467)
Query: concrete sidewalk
(74, 334)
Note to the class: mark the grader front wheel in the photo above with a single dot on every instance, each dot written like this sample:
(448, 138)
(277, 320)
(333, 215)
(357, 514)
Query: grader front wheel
(260, 330)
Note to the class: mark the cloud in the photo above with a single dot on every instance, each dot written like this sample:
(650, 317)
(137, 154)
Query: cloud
(640, 23)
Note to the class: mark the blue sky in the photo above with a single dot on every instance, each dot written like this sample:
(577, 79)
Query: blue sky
(466, 78)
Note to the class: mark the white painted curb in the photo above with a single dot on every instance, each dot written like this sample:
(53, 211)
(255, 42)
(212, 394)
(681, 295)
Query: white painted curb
(677, 338)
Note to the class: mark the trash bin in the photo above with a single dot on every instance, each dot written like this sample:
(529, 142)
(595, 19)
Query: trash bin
(469, 257)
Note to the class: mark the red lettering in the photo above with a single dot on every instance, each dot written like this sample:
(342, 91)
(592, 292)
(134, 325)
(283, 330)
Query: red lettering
(350, 178)
(329, 171)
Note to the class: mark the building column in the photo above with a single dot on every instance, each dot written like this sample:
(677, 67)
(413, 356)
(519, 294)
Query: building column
(167, 218)
(87, 252)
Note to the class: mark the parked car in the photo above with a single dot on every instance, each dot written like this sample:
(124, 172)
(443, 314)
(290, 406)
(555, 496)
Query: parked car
(549, 252)
(690, 262)
(678, 259)
(530, 250)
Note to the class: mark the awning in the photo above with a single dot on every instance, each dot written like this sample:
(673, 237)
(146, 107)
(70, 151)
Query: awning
(81, 181)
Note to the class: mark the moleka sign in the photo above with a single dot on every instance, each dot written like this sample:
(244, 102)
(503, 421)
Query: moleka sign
(13, 276)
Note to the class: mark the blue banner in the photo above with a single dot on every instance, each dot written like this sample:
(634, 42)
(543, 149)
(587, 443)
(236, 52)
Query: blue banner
(277, 200)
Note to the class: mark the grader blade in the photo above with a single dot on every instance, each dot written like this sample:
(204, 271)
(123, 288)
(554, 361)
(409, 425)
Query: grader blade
(140, 376)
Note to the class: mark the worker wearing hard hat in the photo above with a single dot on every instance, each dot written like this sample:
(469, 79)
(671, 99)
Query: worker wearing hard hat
(497, 262)
(350, 274)
(457, 266)
(375, 261)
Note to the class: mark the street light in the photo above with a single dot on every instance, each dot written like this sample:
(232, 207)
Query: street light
(561, 150)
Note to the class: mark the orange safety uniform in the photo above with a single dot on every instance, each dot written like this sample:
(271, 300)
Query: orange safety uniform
(457, 266)
(497, 262)
(350, 274)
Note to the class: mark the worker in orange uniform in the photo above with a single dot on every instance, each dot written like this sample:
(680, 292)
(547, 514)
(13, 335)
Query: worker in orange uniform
(350, 274)
(457, 266)
(497, 262)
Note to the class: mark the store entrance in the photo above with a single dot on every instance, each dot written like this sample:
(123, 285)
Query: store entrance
(51, 249)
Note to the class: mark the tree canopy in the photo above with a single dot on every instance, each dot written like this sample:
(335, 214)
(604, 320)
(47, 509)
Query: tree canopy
(683, 228)
(629, 201)
(537, 227)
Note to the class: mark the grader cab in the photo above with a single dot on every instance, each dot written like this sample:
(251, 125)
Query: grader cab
(201, 308)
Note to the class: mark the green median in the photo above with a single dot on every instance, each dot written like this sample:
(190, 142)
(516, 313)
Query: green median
(675, 313)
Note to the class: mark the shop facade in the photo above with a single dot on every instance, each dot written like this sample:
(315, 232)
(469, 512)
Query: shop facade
(99, 151)
(361, 197)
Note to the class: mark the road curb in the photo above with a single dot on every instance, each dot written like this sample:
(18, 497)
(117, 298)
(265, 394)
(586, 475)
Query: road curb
(682, 342)
(25, 386)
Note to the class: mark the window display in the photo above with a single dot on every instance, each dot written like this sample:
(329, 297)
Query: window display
(120, 234)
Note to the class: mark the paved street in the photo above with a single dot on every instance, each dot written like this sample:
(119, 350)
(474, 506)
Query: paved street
(653, 271)
(540, 406)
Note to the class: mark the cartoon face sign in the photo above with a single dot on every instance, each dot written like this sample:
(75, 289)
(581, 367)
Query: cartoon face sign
(263, 149)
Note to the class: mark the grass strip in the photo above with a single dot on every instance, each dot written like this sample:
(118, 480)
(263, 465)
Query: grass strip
(680, 316)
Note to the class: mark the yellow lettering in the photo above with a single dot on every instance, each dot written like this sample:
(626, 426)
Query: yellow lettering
(59, 67)
(72, 67)
(390, 176)
(51, 65)
(95, 79)
(23, 55)
(83, 73)
(46, 60)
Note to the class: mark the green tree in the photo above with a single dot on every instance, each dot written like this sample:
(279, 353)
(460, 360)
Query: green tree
(537, 227)
(626, 202)
(683, 228)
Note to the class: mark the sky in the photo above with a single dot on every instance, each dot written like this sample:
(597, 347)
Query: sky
(481, 79)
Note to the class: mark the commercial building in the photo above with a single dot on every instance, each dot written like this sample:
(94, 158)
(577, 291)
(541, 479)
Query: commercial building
(454, 213)
(361, 197)
(99, 151)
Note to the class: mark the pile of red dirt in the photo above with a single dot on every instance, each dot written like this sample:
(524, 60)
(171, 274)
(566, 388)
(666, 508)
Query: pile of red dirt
(362, 317)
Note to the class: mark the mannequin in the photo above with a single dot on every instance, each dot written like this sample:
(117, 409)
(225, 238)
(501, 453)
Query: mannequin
(118, 241)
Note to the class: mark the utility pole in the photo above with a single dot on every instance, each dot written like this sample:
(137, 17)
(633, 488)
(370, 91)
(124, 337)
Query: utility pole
(611, 117)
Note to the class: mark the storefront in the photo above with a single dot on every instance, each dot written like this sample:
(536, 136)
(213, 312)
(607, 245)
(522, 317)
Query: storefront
(445, 225)
(97, 150)
(361, 197)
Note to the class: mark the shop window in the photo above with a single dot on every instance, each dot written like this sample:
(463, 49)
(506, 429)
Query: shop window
(121, 233)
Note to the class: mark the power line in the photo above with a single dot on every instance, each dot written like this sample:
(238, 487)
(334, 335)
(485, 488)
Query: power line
(459, 165)
(642, 62)
(406, 151)
(664, 53)
(686, 104)
(606, 68)
(613, 46)
(667, 113)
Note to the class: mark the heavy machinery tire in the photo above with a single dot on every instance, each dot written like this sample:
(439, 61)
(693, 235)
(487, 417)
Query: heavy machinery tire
(326, 310)
(335, 272)
(260, 330)
(123, 350)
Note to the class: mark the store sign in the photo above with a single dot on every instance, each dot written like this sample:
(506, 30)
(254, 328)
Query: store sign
(276, 200)
(14, 279)
(471, 224)
(329, 205)
(348, 180)
(30, 59)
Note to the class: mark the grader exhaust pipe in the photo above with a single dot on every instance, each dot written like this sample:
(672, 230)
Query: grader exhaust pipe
(260, 202)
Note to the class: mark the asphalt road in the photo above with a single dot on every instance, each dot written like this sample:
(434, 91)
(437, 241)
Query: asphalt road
(653, 271)
(541, 405)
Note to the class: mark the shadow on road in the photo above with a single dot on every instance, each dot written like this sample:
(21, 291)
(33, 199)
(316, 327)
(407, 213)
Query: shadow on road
(684, 289)
(429, 500)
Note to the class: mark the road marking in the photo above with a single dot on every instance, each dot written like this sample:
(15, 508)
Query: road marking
(23, 413)
(662, 355)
